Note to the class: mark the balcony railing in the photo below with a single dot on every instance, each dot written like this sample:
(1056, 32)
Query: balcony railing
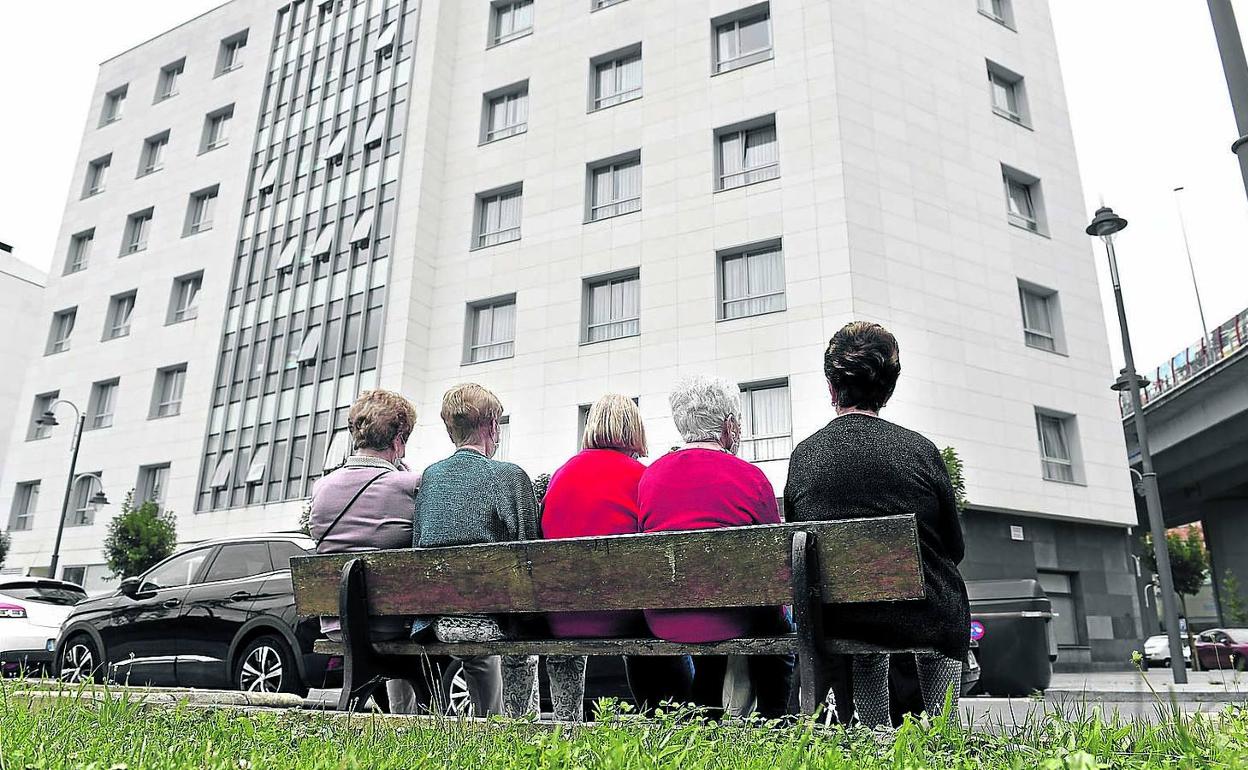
(1224, 341)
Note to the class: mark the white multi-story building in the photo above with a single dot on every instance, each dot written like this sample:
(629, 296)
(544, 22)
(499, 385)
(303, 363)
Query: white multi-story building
(283, 203)
(21, 304)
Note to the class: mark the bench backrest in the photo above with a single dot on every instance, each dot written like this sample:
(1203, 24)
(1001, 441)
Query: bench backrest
(859, 560)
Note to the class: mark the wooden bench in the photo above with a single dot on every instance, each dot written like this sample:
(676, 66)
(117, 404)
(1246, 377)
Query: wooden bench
(803, 565)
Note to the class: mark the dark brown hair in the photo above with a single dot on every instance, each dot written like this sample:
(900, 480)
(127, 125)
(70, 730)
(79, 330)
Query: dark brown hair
(862, 364)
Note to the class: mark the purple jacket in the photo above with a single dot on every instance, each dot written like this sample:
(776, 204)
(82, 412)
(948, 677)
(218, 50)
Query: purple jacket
(380, 518)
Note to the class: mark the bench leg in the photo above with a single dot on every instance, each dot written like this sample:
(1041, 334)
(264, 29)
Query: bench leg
(359, 675)
(808, 616)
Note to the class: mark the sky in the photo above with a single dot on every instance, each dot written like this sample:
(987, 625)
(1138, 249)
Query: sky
(1144, 82)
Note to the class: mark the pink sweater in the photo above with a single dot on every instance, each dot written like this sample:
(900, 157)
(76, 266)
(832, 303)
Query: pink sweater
(704, 489)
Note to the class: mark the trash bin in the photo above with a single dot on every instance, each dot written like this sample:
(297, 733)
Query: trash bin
(1013, 622)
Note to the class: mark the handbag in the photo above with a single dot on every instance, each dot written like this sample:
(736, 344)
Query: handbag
(467, 628)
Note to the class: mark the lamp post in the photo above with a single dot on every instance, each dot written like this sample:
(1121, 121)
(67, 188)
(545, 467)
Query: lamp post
(1104, 226)
(48, 419)
(1235, 68)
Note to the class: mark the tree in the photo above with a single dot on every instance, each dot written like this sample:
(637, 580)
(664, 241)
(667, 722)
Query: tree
(139, 538)
(4, 546)
(1189, 561)
(1234, 610)
(953, 464)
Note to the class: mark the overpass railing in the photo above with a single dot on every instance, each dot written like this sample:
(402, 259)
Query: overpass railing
(1224, 341)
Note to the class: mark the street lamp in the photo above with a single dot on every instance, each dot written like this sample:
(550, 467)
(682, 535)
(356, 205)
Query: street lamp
(1105, 225)
(48, 420)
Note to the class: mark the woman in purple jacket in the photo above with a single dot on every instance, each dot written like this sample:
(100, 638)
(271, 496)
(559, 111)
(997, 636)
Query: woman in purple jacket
(368, 504)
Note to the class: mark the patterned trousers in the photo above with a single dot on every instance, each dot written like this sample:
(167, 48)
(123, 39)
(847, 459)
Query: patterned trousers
(567, 686)
(937, 674)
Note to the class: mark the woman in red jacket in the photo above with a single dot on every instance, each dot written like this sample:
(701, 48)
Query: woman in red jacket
(594, 494)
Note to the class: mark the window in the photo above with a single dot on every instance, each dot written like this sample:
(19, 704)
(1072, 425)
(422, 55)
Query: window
(742, 38)
(506, 112)
(747, 153)
(1022, 195)
(217, 129)
(62, 328)
(167, 83)
(339, 450)
(25, 500)
(177, 572)
(153, 480)
(504, 439)
(120, 309)
(184, 305)
(167, 395)
(617, 77)
(281, 552)
(221, 474)
(1061, 587)
(114, 105)
(336, 149)
(614, 187)
(1007, 93)
(510, 20)
(612, 307)
(751, 281)
(1001, 11)
(85, 487)
(138, 228)
(79, 251)
(97, 175)
(498, 217)
(43, 403)
(1040, 315)
(230, 57)
(582, 419)
(240, 560)
(75, 575)
(1054, 432)
(153, 157)
(200, 210)
(103, 402)
(766, 422)
(595, 5)
(491, 330)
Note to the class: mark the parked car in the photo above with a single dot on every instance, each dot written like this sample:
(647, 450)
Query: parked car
(1157, 651)
(31, 613)
(220, 614)
(1223, 648)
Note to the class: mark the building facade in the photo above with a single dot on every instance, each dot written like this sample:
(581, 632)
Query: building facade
(21, 290)
(289, 202)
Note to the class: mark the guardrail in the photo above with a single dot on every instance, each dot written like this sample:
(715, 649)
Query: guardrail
(1224, 341)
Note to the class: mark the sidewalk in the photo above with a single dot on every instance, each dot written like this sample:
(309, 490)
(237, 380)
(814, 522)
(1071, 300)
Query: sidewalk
(1134, 687)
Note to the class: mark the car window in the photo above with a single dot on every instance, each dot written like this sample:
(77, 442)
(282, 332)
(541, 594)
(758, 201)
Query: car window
(1238, 635)
(61, 595)
(239, 560)
(282, 551)
(178, 571)
(1205, 637)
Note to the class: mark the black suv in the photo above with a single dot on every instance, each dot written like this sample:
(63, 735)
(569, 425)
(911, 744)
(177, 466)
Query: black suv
(220, 614)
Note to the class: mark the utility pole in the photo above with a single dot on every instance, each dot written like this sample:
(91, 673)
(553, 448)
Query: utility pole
(1235, 67)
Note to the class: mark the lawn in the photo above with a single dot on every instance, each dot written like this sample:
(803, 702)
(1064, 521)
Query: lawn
(115, 733)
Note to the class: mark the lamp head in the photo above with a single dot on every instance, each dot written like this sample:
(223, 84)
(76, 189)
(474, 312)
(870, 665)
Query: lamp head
(47, 419)
(99, 500)
(1106, 223)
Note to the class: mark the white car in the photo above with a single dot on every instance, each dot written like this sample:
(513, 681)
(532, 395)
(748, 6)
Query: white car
(31, 613)
(1157, 651)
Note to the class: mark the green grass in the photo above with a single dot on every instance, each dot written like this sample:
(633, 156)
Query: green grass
(71, 731)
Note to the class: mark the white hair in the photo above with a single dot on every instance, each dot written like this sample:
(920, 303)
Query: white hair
(701, 404)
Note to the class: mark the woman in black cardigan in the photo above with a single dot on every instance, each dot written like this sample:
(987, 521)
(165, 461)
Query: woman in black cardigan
(861, 466)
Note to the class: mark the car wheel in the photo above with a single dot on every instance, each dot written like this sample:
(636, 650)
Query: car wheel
(456, 698)
(80, 661)
(266, 664)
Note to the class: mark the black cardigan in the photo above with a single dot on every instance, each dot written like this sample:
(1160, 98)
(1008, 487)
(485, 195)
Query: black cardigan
(859, 466)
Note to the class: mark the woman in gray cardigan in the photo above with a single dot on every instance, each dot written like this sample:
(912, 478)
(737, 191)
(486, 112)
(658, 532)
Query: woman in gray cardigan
(368, 504)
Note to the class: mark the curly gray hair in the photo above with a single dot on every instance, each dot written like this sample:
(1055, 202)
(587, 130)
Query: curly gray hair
(701, 404)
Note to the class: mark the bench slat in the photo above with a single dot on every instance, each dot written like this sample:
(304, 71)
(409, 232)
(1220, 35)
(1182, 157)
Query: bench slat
(860, 560)
(759, 646)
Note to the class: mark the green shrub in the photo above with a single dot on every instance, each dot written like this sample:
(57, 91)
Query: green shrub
(953, 464)
(139, 538)
(4, 547)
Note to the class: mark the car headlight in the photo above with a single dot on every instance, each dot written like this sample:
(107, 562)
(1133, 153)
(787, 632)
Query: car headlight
(12, 611)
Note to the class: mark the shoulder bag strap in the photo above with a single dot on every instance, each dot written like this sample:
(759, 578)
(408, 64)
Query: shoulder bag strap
(347, 507)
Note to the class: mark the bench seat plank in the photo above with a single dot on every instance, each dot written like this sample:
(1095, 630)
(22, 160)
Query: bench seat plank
(860, 560)
(783, 645)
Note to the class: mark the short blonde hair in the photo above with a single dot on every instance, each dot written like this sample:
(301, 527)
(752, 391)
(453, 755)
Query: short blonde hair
(468, 409)
(614, 422)
(378, 417)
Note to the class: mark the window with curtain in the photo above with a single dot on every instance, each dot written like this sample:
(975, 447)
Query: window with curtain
(498, 218)
(751, 281)
(62, 329)
(121, 308)
(199, 218)
(766, 422)
(186, 298)
(614, 308)
(25, 500)
(512, 20)
(1038, 314)
(85, 488)
(137, 228)
(43, 403)
(1006, 97)
(103, 401)
(167, 84)
(152, 482)
(80, 251)
(1021, 204)
(1055, 454)
(504, 439)
(507, 114)
(154, 153)
(169, 385)
(217, 129)
(604, 3)
(493, 330)
(615, 188)
(114, 105)
(231, 56)
(1060, 588)
(743, 40)
(617, 79)
(97, 176)
(998, 10)
(748, 155)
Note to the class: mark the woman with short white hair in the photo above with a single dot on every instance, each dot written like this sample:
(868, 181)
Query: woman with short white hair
(704, 485)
